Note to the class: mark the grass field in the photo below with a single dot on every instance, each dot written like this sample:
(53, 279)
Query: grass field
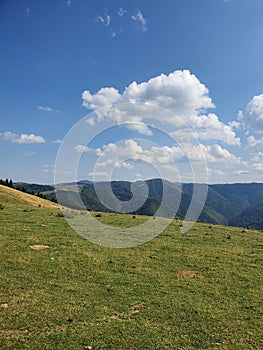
(199, 290)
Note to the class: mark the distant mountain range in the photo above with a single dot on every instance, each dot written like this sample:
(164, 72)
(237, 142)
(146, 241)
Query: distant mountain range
(226, 204)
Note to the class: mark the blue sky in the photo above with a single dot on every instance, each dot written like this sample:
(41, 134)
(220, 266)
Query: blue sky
(201, 60)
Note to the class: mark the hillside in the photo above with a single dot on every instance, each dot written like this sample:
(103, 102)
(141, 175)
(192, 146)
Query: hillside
(199, 290)
(250, 217)
(225, 204)
(11, 194)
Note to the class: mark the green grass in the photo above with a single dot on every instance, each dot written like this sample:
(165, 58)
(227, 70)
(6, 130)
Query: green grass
(77, 294)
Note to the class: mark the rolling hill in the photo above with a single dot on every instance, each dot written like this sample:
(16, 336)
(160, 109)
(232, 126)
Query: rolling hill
(197, 290)
(226, 204)
(11, 194)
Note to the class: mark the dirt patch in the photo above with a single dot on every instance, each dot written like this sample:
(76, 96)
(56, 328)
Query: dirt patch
(189, 274)
(39, 246)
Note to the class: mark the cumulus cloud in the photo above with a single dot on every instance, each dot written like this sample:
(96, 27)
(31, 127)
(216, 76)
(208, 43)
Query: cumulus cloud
(83, 149)
(252, 118)
(258, 167)
(255, 145)
(121, 155)
(215, 153)
(104, 97)
(182, 99)
(23, 138)
(207, 127)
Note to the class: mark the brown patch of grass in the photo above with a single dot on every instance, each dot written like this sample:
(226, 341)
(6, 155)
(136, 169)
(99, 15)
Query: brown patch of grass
(189, 274)
(11, 193)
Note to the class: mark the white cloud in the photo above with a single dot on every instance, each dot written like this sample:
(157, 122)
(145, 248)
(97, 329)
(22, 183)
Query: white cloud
(252, 118)
(207, 127)
(241, 172)
(104, 20)
(113, 34)
(182, 99)
(98, 174)
(23, 138)
(45, 108)
(215, 153)
(121, 11)
(83, 149)
(258, 167)
(115, 164)
(258, 157)
(141, 20)
(104, 97)
(255, 145)
(57, 141)
(121, 155)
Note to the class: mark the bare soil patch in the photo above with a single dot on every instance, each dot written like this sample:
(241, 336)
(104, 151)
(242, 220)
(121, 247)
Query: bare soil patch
(39, 246)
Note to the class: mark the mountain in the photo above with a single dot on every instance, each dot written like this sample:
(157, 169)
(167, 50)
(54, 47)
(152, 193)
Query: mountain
(251, 217)
(225, 204)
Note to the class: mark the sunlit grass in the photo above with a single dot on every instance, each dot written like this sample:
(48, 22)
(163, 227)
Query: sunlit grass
(74, 294)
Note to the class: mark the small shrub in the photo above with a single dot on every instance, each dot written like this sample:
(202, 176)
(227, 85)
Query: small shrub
(2, 207)
(98, 215)
(134, 217)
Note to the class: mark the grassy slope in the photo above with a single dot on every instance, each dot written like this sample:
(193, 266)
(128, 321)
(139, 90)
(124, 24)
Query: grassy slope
(76, 294)
(10, 194)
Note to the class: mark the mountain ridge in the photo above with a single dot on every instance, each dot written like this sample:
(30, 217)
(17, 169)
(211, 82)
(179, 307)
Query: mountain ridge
(225, 204)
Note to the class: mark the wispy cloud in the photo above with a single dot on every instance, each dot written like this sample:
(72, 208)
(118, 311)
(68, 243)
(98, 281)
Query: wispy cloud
(29, 154)
(45, 108)
(104, 20)
(99, 174)
(81, 149)
(47, 168)
(57, 141)
(23, 138)
(121, 12)
(113, 34)
(141, 20)
(28, 11)
(69, 3)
